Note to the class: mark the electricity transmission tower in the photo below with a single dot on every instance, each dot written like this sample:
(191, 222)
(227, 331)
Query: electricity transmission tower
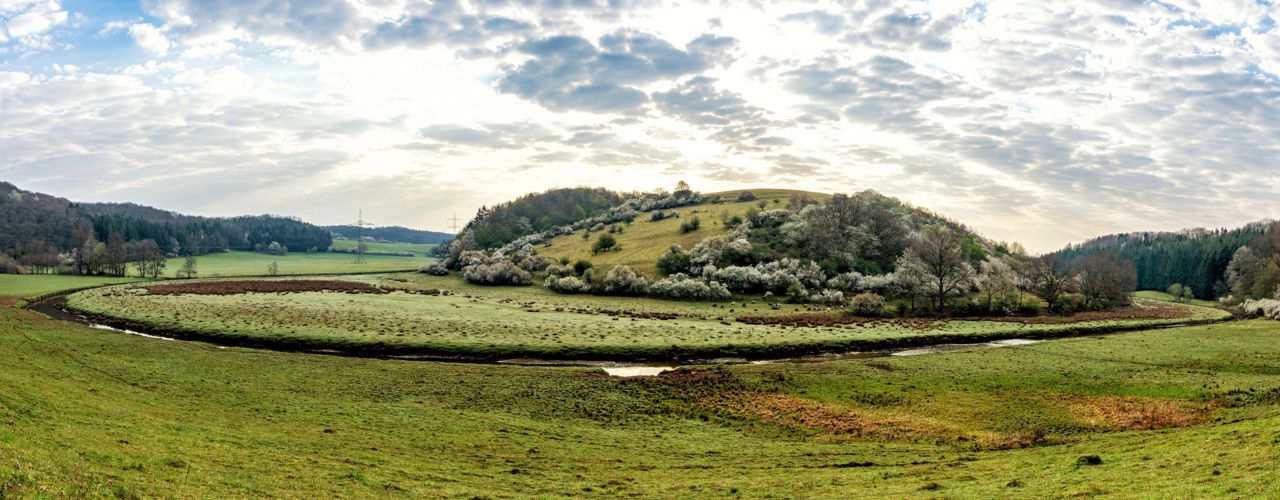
(454, 222)
(361, 246)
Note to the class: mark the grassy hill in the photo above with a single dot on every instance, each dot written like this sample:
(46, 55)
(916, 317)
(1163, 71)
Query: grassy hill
(644, 241)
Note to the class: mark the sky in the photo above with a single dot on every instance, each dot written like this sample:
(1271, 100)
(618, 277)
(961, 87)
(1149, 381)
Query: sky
(1038, 122)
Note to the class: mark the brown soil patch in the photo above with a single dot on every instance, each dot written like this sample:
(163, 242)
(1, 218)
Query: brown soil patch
(620, 313)
(797, 413)
(1135, 413)
(9, 301)
(235, 287)
(834, 319)
(1152, 311)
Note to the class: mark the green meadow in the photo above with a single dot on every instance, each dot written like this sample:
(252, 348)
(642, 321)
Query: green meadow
(1188, 412)
(256, 264)
(532, 321)
(387, 246)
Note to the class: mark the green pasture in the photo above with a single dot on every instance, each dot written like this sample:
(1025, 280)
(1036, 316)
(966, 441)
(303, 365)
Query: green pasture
(256, 264)
(384, 246)
(495, 322)
(1174, 413)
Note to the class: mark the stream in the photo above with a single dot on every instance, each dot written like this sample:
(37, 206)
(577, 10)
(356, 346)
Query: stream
(54, 308)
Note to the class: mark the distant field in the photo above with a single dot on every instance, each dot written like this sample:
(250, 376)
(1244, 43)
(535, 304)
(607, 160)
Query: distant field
(1154, 295)
(643, 242)
(255, 264)
(1176, 413)
(379, 246)
(531, 321)
(29, 285)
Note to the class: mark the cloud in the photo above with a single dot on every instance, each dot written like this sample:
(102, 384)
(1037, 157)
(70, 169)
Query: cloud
(569, 72)
(149, 38)
(491, 135)
(825, 22)
(28, 24)
(1033, 121)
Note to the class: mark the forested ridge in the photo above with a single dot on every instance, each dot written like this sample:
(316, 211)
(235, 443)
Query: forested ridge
(37, 223)
(397, 234)
(1196, 258)
(532, 213)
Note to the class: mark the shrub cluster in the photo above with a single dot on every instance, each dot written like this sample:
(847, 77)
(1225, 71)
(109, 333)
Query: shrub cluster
(274, 248)
(676, 260)
(435, 269)
(497, 272)
(690, 225)
(1262, 308)
(680, 286)
(867, 304)
(559, 271)
(604, 243)
(534, 263)
(8, 265)
(566, 284)
(621, 280)
(829, 297)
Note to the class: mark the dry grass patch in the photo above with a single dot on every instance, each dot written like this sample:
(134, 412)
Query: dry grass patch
(1133, 412)
(792, 412)
(1146, 310)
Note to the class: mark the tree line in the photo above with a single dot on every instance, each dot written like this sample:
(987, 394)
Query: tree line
(501, 224)
(44, 233)
(1195, 258)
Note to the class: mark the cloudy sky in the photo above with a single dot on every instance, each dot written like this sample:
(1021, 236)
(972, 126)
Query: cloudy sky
(1038, 122)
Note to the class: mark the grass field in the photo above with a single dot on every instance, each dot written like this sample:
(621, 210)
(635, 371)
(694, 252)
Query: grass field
(382, 246)
(18, 285)
(1162, 296)
(1178, 413)
(644, 241)
(532, 321)
(255, 264)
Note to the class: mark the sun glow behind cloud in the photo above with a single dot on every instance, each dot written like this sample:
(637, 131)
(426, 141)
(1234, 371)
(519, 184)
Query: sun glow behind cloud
(1037, 122)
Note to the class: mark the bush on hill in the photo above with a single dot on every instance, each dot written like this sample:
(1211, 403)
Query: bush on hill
(621, 280)
(682, 287)
(566, 284)
(435, 269)
(497, 272)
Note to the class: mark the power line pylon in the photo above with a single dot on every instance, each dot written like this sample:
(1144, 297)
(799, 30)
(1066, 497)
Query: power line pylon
(454, 222)
(360, 225)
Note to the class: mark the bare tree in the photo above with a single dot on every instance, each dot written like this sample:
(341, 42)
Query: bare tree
(1106, 280)
(1051, 278)
(115, 259)
(947, 270)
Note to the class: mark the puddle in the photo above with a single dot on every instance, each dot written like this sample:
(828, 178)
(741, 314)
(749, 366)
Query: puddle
(91, 324)
(960, 347)
(635, 371)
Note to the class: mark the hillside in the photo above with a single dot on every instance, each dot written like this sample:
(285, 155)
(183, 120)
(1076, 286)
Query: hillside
(394, 234)
(38, 224)
(643, 241)
(1197, 258)
(535, 212)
